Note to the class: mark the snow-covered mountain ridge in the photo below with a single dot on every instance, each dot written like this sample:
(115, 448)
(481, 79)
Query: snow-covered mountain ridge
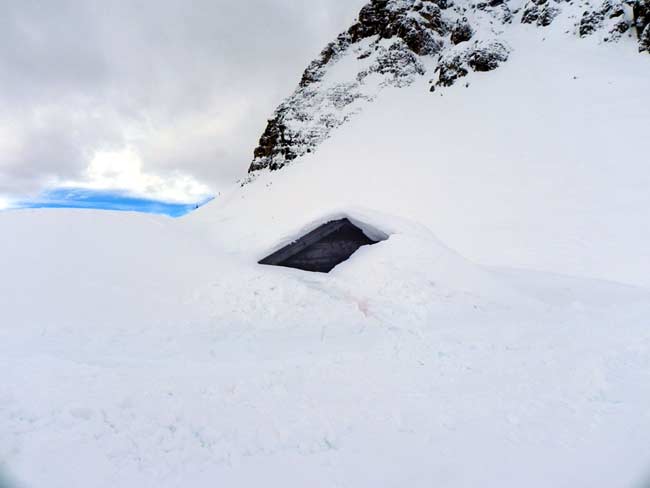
(393, 42)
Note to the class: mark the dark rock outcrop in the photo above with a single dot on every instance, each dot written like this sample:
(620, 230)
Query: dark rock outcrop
(451, 69)
(389, 36)
(477, 57)
(610, 18)
(644, 40)
(487, 57)
(609, 12)
(462, 32)
(641, 13)
(540, 12)
(274, 142)
(389, 40)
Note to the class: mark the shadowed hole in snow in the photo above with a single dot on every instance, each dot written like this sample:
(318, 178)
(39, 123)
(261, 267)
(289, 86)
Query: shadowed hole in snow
(325, 247)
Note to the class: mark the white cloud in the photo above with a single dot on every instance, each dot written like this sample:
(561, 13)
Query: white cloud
(4, 203)
(123, 170)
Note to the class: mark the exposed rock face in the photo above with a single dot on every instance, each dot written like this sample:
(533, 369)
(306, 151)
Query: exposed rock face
(462, 32)
(395, 42)
(540, 12)
(418, 23)
(644, 41)
(389, 45)
(609, 16)
(316, 108)
(487, 57)
(641, 14)
(450, 69)
(480, 56)
(388, 39)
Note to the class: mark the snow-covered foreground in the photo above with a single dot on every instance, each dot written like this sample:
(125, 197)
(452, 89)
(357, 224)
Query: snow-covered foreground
(139, 351)
(444, 375)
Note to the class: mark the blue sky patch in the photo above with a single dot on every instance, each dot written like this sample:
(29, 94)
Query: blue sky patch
(108, 200)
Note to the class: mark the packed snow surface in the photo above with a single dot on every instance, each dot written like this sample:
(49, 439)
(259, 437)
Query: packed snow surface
(500, 336)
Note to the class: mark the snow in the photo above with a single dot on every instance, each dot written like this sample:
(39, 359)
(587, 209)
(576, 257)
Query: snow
(493, 170)
(498, 337)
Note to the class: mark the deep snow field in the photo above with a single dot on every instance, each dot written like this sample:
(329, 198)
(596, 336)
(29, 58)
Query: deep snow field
(499, 337)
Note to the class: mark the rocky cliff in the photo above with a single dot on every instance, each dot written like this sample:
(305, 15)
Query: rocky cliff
(393, 42)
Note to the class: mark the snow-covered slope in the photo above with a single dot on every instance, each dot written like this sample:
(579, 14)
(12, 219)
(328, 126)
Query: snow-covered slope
(143, 360)
(498, 337)
(540, 164)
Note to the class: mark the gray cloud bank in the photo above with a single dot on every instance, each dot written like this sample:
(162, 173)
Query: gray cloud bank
(185, 86)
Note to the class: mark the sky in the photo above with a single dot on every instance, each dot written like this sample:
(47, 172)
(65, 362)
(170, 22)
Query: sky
(115, 200)
(155, 99)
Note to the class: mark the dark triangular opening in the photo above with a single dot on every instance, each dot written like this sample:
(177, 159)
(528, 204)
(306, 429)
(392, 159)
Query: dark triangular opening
(322, 249)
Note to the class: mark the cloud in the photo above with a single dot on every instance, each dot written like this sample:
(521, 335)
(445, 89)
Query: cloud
(180, 90)
(123, 171)
(5, 203)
